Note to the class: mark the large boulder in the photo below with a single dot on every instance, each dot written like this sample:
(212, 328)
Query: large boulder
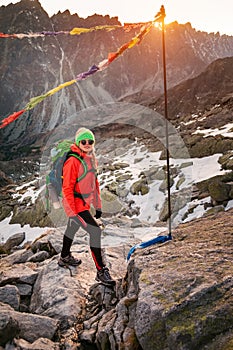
(219, 188)
(219, 191)
(27, 326)
(13, 241)
(20, 273)
(35, 215)
(9, 327)
(57, 295)
(226, 160)
(10, 295)
(139, 187)
(178, 200)
(110, 202)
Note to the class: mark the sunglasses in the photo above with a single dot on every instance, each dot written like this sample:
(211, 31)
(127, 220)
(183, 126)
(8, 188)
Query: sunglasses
(90, 142)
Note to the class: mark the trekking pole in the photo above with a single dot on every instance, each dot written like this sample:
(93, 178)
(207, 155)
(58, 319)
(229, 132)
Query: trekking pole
(161, 18)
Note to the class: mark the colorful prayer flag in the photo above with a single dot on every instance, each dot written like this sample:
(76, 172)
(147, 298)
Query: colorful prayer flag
(93, 69)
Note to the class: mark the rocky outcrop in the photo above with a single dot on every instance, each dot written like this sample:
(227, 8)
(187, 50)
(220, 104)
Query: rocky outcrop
(42, 303)
(220, 188)
(226, 160)
(201, 92)
(172, 295)
(202, 147)
(4, 179)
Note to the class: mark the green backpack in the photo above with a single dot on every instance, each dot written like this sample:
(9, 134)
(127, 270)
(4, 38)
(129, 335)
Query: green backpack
(54, 179)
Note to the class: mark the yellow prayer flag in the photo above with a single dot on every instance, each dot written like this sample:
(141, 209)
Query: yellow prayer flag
(61, 86)
(133, 42)
(77, 31)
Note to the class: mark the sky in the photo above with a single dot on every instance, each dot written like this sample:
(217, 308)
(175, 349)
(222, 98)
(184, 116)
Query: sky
(205, 15)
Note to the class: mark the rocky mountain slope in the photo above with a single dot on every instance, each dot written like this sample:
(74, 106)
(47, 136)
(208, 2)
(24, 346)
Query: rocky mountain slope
(194, 96)
(132, 167)
(179, 291)
(176, 295)
(30, 67)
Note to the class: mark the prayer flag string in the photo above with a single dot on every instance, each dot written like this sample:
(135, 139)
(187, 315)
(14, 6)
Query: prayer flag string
(93, 69)
(74, 31)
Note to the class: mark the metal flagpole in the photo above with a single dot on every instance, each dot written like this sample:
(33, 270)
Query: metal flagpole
(161, 239)
(162, 16)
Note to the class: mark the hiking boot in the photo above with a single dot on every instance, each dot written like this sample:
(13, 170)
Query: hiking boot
(104, 277)
(69, 260)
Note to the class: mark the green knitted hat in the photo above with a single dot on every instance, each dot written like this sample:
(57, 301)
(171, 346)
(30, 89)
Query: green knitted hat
(84, 134)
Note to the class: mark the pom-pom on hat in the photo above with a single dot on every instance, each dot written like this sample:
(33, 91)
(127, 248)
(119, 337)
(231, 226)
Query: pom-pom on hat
(84, 134)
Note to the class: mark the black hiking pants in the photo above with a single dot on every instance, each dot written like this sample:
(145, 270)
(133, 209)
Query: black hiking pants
(85, 220)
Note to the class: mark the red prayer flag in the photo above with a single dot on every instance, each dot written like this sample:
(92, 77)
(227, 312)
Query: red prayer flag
(11, 118)
(3, 35)
(112, 56)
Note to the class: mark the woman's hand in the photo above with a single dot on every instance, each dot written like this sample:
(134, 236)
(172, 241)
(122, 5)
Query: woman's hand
(98, 213)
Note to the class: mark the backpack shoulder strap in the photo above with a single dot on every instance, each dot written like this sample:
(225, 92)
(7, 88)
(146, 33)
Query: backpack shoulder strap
(82, 161)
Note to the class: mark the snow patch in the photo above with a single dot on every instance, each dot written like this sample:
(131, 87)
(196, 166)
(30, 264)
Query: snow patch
(225, 131)
(7, 230)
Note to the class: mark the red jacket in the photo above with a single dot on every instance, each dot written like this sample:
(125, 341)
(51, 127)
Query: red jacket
(89, 185)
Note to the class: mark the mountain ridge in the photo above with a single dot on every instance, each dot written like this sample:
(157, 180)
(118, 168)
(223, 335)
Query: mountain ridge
(47, 62)
(201, 92)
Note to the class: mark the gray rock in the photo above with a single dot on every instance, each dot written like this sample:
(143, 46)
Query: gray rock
(122, 192)
(123, 177)
(17, 257)
(50, 241)
(167, 292)
(219, 191)
(9, 327)
(139, 187)
(20, 273)
(5, 210)
(138, 160)
(136, 223)
(130, 340)
(226, 160)
(110, 202)
(112, 187)
(56, 294)
(33, 327)
(178, 201)
(120, 165)
(159, 175)
(39, 256)
(163, 185)
(185, 164)
(105, 336)
(88, 336)
(14, 241)
(20, 256)
(10, 295)
(39, 344)
(28, 326)
(24, 289)
(214, 210)
(180, 182)
(34, 215)
(150, 173)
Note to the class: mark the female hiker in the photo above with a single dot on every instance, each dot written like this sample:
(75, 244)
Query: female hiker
(80, 189)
